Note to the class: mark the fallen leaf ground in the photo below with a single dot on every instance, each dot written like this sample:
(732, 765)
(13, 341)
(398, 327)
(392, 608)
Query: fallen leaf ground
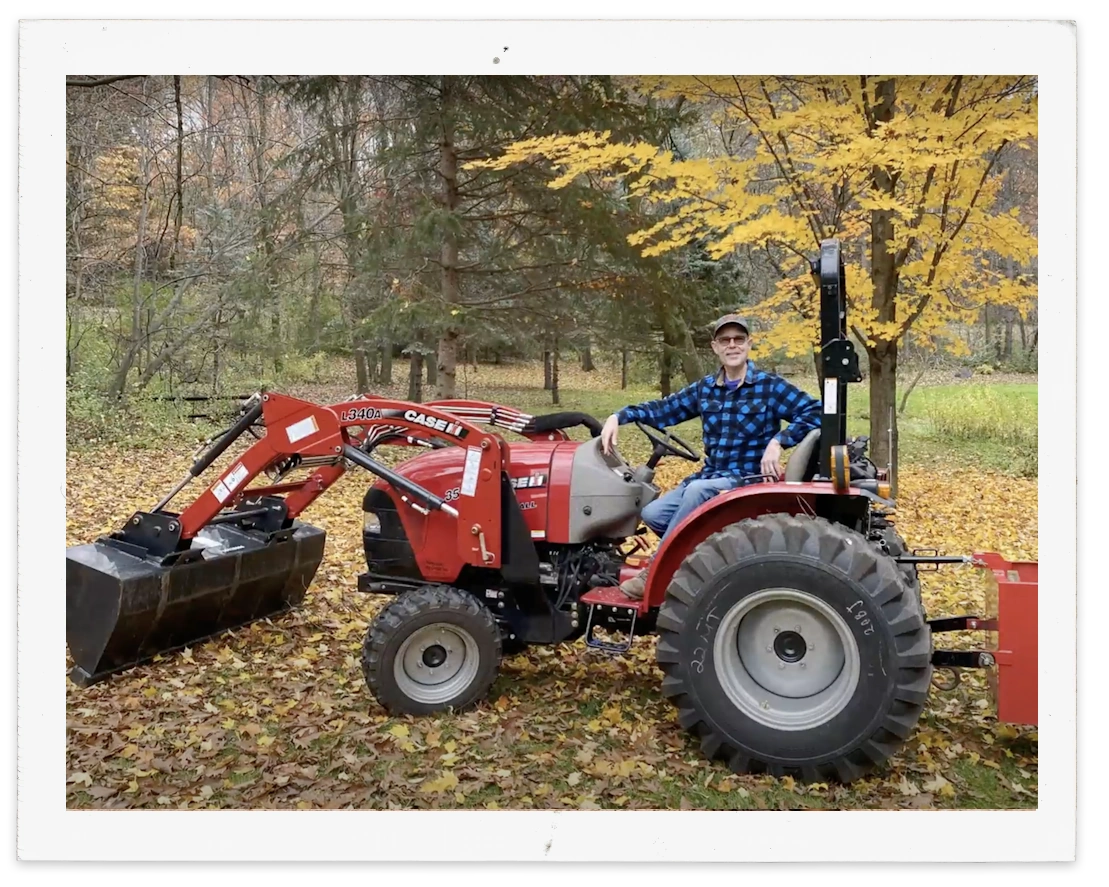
(277, 715)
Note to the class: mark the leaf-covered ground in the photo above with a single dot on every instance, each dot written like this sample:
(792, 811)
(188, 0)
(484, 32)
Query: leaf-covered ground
(277, 715)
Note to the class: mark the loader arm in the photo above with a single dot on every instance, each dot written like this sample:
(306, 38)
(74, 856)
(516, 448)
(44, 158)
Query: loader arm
(299, 428)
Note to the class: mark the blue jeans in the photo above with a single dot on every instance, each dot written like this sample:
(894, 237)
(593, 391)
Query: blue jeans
(670, 509)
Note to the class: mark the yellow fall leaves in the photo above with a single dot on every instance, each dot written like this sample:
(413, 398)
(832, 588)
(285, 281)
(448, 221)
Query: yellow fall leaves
(446, 782)
(235, 723)
(810, 173)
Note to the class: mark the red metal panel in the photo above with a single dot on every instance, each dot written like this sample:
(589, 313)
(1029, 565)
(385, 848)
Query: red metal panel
(1012, 600)
(558, 494)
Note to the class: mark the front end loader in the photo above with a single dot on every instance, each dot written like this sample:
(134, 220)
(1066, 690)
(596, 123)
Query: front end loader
(792, 634)
(168, 579)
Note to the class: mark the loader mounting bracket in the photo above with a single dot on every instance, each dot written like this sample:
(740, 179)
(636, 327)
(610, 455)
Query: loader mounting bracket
(156, 534)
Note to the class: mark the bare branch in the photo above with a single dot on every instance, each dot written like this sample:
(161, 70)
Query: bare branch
(102, 81)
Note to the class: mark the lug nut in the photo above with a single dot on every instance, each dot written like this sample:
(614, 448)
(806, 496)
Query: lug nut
(776, 629)
(781, 665)
(797, 628)
(769, 648)
(812, 646)
(802, 664)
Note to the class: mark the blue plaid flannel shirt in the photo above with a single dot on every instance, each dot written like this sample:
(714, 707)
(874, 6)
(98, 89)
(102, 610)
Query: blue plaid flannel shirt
(737, 425)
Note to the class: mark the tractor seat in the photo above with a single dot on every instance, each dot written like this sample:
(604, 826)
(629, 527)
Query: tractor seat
(802, 461)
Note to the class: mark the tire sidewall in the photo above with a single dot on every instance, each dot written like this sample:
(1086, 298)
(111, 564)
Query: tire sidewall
(878, 667)
(480, 626)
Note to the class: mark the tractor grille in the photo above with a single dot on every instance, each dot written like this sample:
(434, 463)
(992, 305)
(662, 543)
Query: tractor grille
(388, 549)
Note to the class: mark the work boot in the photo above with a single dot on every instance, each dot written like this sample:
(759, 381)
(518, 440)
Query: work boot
(635, 587)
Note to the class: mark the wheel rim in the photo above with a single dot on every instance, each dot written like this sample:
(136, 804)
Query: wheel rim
(786, 659)
(436, 663)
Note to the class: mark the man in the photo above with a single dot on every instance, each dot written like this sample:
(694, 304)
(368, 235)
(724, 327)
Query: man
(741, 409)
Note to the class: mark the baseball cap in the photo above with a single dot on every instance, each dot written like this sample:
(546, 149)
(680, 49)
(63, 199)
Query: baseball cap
(727, 319)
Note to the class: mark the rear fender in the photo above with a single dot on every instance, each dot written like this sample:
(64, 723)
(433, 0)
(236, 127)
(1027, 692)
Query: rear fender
(818, 499)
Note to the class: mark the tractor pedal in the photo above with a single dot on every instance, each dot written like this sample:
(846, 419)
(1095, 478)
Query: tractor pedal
(612, 606)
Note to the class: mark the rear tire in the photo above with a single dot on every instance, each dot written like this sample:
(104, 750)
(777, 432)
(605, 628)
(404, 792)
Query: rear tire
(792, 646)
(895, 545)
(431, 649)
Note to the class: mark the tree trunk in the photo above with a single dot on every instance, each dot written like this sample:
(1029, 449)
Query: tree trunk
(664, 370)
(909, 390)
(432, 372)
(448, 170)
(264, 238)
(691, 361)
(554, 372)
(884, 277)
(677, 336)
(179, 190)
(883, 415)
(587, 358)
(415, 376)
(134, 345)
(1007, 351)
(548, 380)
(623, 368)
(385, 376)
(361, 369)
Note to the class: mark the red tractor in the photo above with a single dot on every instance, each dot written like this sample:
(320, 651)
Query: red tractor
(792, 634)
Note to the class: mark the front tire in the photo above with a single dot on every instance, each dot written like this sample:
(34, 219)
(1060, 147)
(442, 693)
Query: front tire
(792, 646)
(431, 649)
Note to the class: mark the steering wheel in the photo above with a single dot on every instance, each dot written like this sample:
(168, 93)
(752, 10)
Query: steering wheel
(669, 443)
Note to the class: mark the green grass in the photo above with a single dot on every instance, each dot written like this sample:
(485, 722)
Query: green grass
(984, 424)
(986, 788)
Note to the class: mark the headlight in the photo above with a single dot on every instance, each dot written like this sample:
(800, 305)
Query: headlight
(371, 523)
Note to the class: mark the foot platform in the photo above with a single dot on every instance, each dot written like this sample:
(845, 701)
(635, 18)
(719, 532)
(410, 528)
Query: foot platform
(611, 609)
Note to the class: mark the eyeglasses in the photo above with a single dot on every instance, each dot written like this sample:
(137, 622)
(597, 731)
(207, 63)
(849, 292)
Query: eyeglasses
(731, 340)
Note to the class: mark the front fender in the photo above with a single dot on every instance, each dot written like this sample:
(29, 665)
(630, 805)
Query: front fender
(779, 497)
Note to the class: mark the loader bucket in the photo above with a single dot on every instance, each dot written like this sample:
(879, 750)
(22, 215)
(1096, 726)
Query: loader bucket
(123, 608)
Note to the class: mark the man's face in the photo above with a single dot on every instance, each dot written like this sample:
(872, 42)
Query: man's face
(731, 345)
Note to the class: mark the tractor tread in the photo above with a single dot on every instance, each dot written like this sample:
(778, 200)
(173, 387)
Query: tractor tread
(850, 554)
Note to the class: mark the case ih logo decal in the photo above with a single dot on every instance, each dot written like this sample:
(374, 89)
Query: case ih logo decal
(452, 428)
(529, 482)
(415, 416)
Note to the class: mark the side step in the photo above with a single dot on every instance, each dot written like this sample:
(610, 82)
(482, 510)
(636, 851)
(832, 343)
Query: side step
(610, 607)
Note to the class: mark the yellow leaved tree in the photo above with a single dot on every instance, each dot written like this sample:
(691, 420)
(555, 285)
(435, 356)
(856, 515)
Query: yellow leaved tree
(905, 171)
